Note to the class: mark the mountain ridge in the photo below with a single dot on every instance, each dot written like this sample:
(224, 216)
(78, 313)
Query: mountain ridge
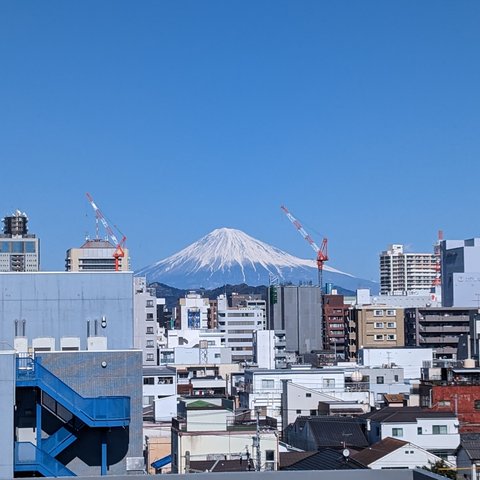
(230, 256)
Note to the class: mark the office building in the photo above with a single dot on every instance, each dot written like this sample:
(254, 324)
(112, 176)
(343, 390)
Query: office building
(192, 312)
(96, 255)
(335, 325)
(402, 272)
(297, 310)
(19, 250)
(460, 273)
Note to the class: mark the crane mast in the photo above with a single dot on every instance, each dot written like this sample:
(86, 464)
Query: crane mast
(321, 252)
(119, 252)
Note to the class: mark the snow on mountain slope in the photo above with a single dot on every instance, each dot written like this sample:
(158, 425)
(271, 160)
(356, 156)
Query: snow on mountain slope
(231, 256)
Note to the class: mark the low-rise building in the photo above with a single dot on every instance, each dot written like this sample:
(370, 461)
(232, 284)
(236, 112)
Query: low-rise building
(431, 430)
(398, 454)
(209, 430)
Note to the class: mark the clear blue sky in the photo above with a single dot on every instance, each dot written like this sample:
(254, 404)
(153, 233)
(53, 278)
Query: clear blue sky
(179, 117)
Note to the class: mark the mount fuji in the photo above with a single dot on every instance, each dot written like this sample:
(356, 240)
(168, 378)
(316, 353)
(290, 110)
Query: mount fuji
(229, 256)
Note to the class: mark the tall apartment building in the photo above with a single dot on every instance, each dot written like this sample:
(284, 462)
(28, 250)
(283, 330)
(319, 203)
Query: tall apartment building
(95, 255)
(192, 312)
(335, 324)
(375, 326)
(146, 321)
(460, 273)
(438, 328)
(19, 250)
(402, 272)
(238, 325)
(297, 310)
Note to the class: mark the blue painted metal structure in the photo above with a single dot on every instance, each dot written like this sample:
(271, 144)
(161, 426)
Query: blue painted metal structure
(72, 409)
(161, 462)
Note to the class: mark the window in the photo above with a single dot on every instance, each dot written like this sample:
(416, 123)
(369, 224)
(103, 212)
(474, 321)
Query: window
(150, 344)
(148, 381)
(150, 357)
(329, 382)
(149, 316)
(391, 324)
(378, 337)
(391, 313)
(439, 429)
(149, 303)
(380, 380)
(313, 413)
(395, 378)
(378, 325)
(419, 430)
(397, 432)
(149, 329)
(391, 336)
(217, 355)
(446, 403)
(308, 395)
(378, 313)
(266, 383)
(298, 412)
(476, 404)
(269, 455)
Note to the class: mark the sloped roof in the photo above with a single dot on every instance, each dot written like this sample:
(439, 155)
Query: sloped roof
(336, 431)
(393, 397)
(220, 466)
(404, 414)
(327, 459)
(202, 404)
(378, 450)
(470, 442)
(289, 458)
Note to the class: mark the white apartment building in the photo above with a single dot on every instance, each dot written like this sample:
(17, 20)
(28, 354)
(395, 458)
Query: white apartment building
(434, 431)
(401, 272)
(263, 389)
(193, 311)
(145, 321)
(238, 325)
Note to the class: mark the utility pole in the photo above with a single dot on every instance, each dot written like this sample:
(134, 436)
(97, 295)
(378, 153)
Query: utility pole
(256, 444)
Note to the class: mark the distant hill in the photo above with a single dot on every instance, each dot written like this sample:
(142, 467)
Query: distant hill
(229, 256)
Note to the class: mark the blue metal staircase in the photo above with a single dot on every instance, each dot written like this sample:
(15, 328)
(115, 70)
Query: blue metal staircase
(95, 412)
(58, 442)
(72, 409)
(29, 458)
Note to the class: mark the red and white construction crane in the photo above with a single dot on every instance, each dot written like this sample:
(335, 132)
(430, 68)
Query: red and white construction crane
(119, 245)
(322, 255)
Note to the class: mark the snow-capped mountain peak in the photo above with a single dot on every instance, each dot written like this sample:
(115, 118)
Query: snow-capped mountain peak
(227, 255)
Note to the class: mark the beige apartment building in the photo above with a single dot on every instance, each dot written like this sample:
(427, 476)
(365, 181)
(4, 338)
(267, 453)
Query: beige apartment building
(375, 326)
(95, 255)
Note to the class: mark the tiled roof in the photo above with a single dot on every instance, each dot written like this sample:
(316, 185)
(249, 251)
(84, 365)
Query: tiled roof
(327, 459)
(404, 414)
(220, 466)
(378, 450)
(470, 442)
(289, 458)
(337, 431)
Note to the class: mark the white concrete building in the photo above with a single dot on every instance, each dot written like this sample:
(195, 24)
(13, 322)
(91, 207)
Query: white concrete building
(238, 325)
(193, 311)
(397, 454)
(263, 388)
(402, 272)
(434, 431)
(145, 321)
(160, 393)
(269, 349)
(410, 359)
(209, 430)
